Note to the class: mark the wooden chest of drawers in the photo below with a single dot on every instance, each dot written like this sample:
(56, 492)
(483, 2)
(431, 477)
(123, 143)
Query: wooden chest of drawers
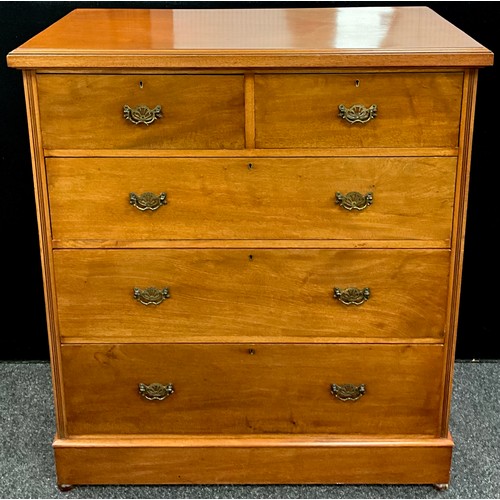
(251, 227)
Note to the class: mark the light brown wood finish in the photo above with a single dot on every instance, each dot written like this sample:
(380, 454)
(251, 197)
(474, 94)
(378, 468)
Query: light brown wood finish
(421, 110)
(251, 153)
(267, 244)
(201, 38)
(459, 225)
(249, 111)
(251, 255)
(46, 254)
(222, 389)
(198, 112)
(250, 295)
(195, 461)
(245, 198)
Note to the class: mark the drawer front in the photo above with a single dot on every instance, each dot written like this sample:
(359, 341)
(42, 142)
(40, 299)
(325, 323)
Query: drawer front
(250, 295)
(412, 110)
(252, 389)
(87, 111)
(261, 198)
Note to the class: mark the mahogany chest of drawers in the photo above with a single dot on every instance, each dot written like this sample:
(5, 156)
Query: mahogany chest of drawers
(251, 226)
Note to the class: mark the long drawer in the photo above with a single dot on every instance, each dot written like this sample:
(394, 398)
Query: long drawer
(358, 110)
(141, 111)
(261, 198)
(188, 295)
(252, 389)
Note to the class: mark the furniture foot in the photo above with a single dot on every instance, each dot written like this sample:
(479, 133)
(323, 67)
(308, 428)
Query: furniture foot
(65, 487)
(441, 486)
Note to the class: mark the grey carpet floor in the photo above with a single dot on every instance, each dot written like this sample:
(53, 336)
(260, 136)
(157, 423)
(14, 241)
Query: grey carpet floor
(27, 464)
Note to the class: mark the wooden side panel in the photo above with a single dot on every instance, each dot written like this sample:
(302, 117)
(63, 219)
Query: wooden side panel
(197, 111)
(252, 198)
(458, 238)
(251, 295)
(253, 389)
(414, 110)
(46, 255)
(425, 462)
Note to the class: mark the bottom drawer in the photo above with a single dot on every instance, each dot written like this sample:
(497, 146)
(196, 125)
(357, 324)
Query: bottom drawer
(253, 389)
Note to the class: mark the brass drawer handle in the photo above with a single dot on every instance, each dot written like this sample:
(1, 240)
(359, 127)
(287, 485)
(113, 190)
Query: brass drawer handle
(141, 114)
(151, 295)
(348, 392)
(354, 200)
(351, 296)
(148, 201)
(155, 391)
(358, 113)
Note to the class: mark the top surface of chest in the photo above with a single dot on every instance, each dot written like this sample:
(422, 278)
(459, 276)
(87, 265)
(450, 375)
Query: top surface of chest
(197, 38)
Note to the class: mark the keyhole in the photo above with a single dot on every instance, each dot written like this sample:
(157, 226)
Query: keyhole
(250, 166)
(356, 82)
(141, 84)
(251, 352)
(250, 257)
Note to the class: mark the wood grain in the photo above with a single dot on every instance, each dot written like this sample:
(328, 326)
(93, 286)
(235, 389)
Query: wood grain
(459, 226)
(86, 111)
(425, 463)
(252, 389)
(245, 198)
(251, 336)
(314, 461)
(414, 110)
(250, 295)
(46, 254)
(272, 38)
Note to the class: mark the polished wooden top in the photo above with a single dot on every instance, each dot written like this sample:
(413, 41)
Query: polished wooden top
(274, 37)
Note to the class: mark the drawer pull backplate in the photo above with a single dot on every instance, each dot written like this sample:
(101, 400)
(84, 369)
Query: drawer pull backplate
(155, 391)
(141, 114)
(148, 201)
(351, 296)
(354, 200)
(151, 295)
(358, 113)
(348, 392)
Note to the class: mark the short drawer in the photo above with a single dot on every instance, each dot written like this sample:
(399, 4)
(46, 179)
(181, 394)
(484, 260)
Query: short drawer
(187, 295)
(252, 389)
(141, 111)
(358, 110)
(259, 198)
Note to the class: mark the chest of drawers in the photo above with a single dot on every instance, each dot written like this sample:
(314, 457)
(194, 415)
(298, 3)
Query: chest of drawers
(251, 226)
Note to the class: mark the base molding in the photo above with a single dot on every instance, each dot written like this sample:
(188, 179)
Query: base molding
(246, 460)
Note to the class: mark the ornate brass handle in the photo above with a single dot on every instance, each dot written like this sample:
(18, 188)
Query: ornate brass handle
(141, 114)
(148, 201)
(348, 392)
(358, 113)
(354, 200)
(156, 391)
(351, 296)
(151, 295)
